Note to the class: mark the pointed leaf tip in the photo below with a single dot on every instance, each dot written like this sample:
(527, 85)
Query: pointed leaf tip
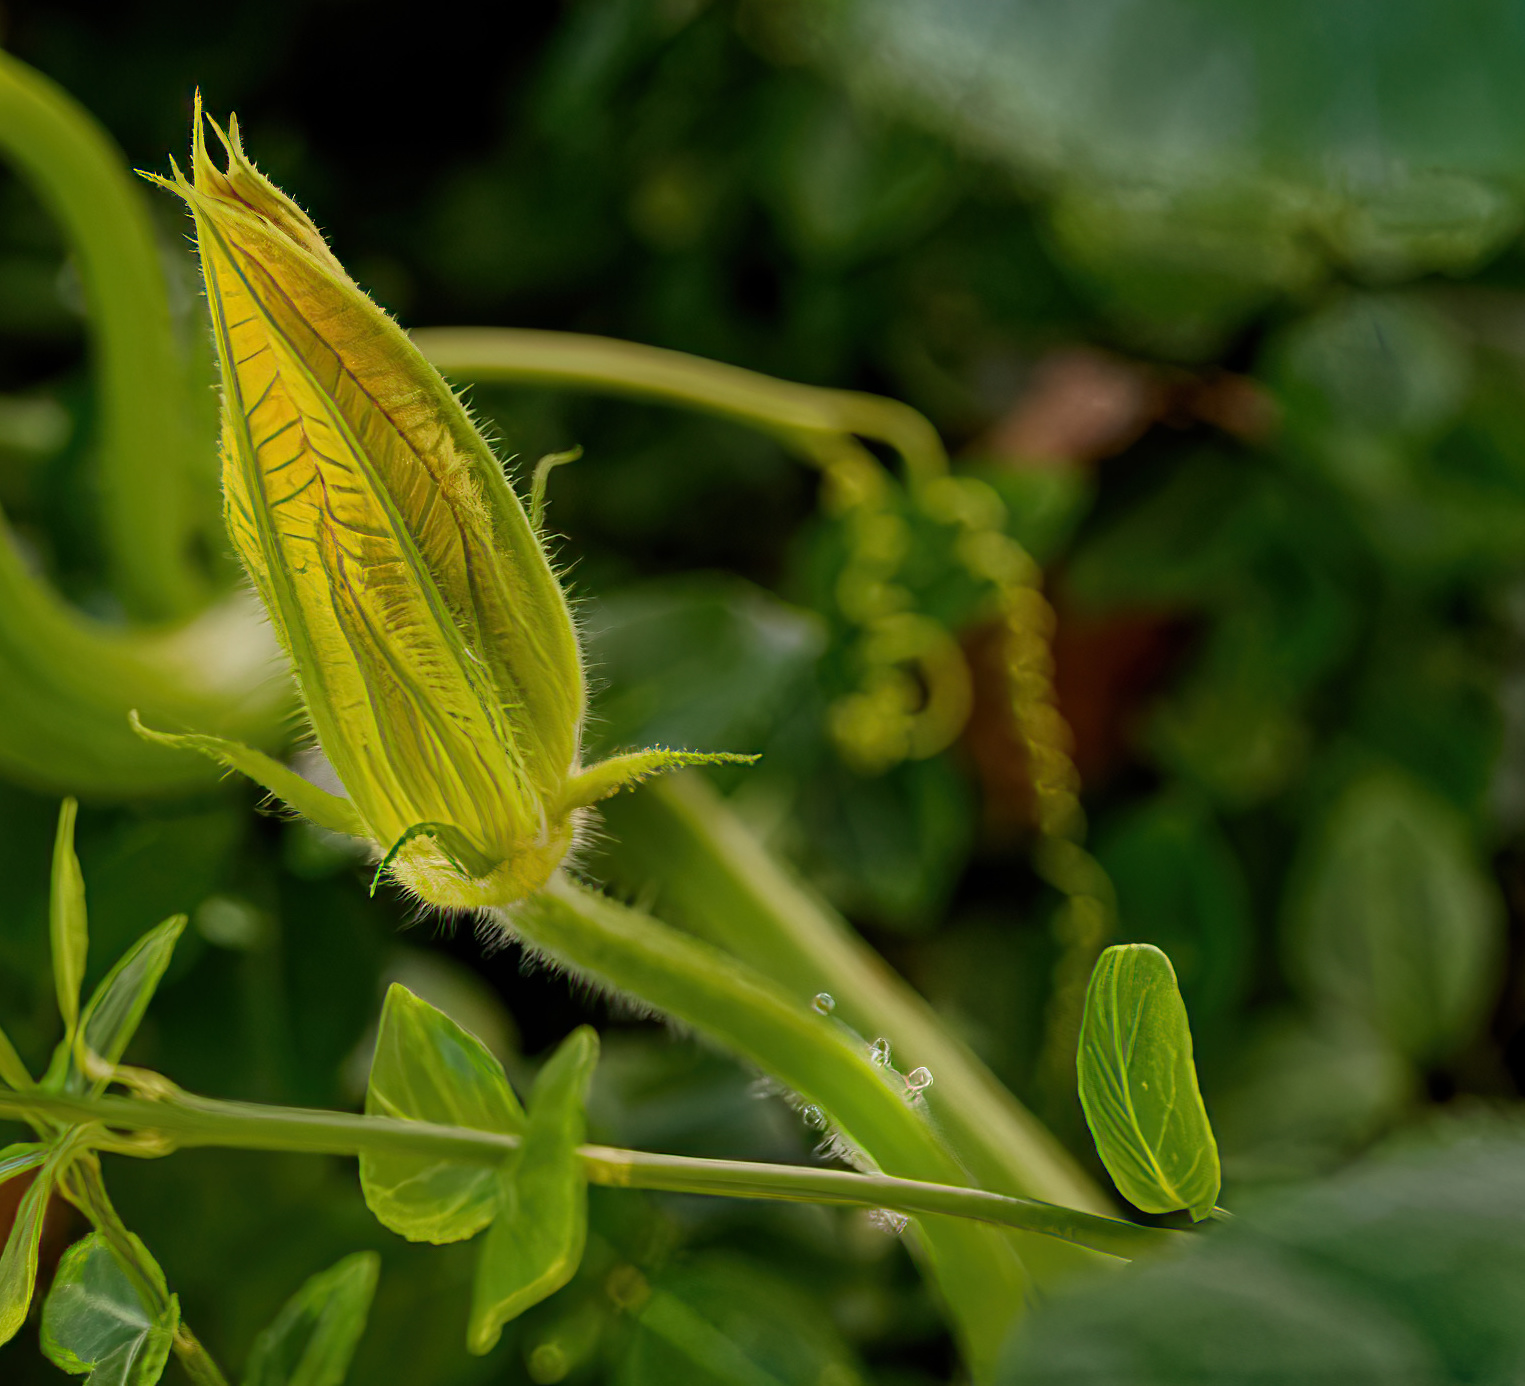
(536, 1242)
(66, 918)
(312, 1340)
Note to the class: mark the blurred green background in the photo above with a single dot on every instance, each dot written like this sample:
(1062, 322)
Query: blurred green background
(1228, 303)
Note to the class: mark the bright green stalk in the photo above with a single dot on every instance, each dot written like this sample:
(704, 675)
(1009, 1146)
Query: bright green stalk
(147, 454)
(186, 1121)
(979, 1275)
(806, 418)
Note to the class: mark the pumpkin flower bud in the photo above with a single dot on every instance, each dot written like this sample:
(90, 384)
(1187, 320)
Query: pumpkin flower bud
(431, 641)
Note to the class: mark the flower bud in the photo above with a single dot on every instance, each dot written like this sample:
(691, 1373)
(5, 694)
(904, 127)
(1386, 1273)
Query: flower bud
(431, 641)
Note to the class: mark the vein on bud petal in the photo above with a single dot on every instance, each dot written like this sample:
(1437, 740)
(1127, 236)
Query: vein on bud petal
(432, 643)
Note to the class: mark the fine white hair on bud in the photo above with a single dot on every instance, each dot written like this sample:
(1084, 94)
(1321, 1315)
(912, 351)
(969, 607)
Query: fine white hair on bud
(432, 643)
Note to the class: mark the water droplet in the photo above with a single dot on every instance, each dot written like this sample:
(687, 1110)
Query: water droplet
(824, 1003)
(918, 1080)
(814, 1116)
(879, 1052)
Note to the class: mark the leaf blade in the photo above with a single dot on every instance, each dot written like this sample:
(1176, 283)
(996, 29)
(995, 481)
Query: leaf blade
(1138, 1085)
(427, 1068)
(18, 1262)
(536, 1242)
(67, 930)
(313, 1338)
(95, 1321)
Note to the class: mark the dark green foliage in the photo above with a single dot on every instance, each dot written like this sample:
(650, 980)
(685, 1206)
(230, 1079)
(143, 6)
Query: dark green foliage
(1408, 1269)
(1320, 728)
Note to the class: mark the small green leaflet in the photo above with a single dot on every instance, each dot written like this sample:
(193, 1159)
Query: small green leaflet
(1138, 1085)
(66, 919)
(95, 1319)
(427, 1068)
(12, 1070)
(18, 1262)
(313, 1338)
(536, 1243)
(116, 1009)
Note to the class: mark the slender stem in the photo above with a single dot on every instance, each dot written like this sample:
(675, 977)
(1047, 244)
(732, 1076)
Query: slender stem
(196, 1360)
(191, 1121)
(636, 1169)
(807, 418)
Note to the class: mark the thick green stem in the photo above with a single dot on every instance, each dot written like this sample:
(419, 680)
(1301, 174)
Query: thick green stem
(146, 451)
(806, 418)
(977, 1272)
(187, 1121)
(713, 877)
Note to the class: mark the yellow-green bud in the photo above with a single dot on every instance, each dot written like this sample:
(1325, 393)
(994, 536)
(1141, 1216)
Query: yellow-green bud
(430, 638)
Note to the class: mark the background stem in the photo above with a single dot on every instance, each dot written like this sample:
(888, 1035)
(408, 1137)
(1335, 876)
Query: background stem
(806, 418)
(147, 454)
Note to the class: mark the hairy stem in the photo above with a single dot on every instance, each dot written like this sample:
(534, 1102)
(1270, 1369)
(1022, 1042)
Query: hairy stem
(713, 877)
(978, 1273)
(187, 1121)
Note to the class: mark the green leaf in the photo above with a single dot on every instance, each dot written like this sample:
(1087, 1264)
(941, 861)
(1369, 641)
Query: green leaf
(427, 1068)
(1138, 1085)
(716, 1319)
(116, 1009)
(12, 1070)
(1395, 919)
(535, 1245)
(313, 1338)
(95, 1320)
(1408, 1268)
(18, 1262)
(66, 919)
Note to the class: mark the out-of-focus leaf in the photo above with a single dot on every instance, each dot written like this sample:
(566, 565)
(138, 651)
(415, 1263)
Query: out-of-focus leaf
(1301, 1097)
(704, 661)
(95, 1321)
(536, 1242)
(313, 1338)
(1393, 918)
(427, 1068)
(67, 927)
(890, 846)
(18, 1262)
(1408, 1270)
(116, 1009)
(1218, 151)
(1138, 1084)
(721, 1321)
(12, 1070)
(1180, 887)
